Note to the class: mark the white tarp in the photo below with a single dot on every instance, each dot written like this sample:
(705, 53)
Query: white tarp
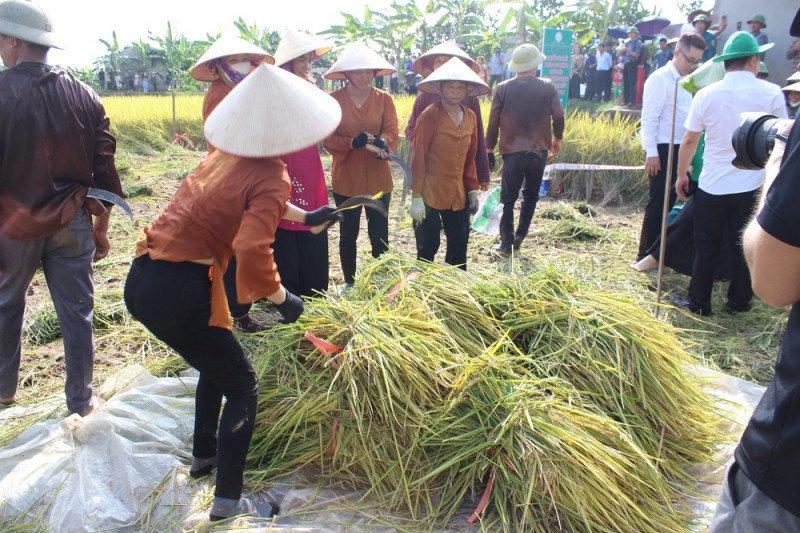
(124, 467)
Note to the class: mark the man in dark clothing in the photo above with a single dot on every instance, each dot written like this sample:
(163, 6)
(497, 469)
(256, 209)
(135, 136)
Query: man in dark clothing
(591, 75)
(54, 146)
(528, 118)
(630, 64)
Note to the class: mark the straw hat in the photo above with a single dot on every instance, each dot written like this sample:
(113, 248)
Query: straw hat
(26, 20)
(447, 48)
(795, 87)
(526, 57)
(297, 43)
(454, 70)
(272, 112)
(227, 45)
(357, 56)
(741, 44)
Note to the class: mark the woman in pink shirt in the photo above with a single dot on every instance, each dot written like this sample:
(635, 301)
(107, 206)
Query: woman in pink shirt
(302, 256)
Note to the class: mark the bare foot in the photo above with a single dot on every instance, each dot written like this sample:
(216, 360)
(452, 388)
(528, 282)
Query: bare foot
(645, 264)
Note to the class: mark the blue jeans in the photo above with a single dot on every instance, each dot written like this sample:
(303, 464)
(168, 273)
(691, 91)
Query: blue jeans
(66, 258)
(173, 301)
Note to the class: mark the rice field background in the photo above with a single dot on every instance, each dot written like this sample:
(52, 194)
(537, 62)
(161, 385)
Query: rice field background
(592, 240)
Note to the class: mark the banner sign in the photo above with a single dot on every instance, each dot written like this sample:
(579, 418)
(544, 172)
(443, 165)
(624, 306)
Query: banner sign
(557, 47)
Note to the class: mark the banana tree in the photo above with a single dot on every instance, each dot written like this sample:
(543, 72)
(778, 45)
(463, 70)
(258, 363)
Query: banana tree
(178, 55)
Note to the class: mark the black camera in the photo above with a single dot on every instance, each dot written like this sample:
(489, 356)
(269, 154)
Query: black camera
(754, 139)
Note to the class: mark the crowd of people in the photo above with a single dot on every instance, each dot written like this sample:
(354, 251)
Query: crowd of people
(248, 223)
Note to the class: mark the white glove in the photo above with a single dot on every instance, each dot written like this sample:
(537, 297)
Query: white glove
(417, 210)
(472, 196)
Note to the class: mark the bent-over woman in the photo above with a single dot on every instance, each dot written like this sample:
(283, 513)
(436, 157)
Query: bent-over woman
(229, 205)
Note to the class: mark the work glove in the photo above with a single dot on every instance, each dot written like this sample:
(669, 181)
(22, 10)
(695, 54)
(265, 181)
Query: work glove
(417, 210)
(320, 216)
(472, 196)
(380, 143)
(360, 140)
(492, 161)
(290, 309)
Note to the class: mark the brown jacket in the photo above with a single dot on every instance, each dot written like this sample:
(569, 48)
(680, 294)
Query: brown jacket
(227, 206)
(444, 158)
(54, 145)
(357, 171)
(527, 114)
(214, 95)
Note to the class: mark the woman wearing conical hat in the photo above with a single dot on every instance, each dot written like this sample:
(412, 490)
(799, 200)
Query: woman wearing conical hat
(226, 62)
(230, 204)
(444, 189)
(368, 118)
(429, 62)
(302, 256)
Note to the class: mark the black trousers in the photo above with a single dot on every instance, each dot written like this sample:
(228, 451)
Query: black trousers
(302, 260)
(575, 86)
(629, 71)
(591, 85)
(653, 212)
(229, 278)
(377, 229)
(603, 85)
(521, 170)
(456, 231)
(713, 216)
(173, 301)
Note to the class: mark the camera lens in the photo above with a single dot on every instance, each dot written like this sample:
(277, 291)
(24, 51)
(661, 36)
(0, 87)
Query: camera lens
(753, 140)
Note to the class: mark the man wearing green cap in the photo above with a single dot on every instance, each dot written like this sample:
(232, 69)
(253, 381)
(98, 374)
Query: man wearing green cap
(630, 65)
(701, 23)
(758, 23)
(725, 195)
(54, 146)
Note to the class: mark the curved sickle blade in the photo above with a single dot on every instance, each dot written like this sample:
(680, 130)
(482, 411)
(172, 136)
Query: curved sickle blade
(351, 203)
(107, 196)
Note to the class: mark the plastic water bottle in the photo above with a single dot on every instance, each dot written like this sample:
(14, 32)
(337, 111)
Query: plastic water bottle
(544, 188)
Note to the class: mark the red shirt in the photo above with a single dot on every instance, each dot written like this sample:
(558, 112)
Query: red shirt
(309, 190)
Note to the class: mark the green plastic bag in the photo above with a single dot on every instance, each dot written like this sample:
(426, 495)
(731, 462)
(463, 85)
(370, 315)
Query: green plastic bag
(487, 219)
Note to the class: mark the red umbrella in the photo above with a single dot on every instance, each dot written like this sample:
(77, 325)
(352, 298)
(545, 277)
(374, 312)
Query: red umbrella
(652, 25)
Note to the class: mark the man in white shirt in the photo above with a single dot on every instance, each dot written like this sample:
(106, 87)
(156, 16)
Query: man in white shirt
(656, 126)
(604, 64)
(496, 67)
(726, 196)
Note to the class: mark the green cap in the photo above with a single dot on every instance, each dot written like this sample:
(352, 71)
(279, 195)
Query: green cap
(700, 18)
(760, 19)
(741, 44)
(633, 29)
(762, 68)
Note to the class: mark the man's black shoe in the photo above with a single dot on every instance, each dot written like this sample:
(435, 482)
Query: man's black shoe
(733, 310)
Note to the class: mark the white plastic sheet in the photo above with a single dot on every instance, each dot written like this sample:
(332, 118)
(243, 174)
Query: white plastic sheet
(123, 468)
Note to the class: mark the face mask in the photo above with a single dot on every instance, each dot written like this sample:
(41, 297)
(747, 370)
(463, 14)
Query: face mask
(242, 67)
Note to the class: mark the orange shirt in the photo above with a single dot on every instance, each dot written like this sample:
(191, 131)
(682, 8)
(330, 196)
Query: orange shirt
(443, 168)
(357, 171)
(214, 95)
(227, 206)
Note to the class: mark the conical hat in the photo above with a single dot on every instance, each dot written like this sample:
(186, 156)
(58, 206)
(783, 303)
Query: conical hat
(272, 112)
(227, 45)
(795, 87)
(297, 43)
(454, 70)
(357, 56)
(447, 48)
(794, 77)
